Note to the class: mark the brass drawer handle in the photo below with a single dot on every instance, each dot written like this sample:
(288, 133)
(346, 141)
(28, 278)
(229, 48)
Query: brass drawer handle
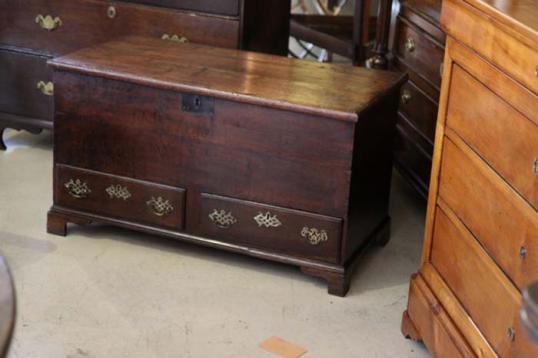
(536, 71)
(78, 189)
(175, 38)
(535, 166)
(111, 12)
(523, 252)
(406, 97)
(511, 333)
(222, 219)
(48, 22)
(267, 220)
(410, 44)
(314, 236)
(47, 88)
(118, 192)
(159, 206)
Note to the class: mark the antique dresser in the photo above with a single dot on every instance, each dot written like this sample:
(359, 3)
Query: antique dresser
(32, 31)
(418, 48)
(481, 236)
(268, 156)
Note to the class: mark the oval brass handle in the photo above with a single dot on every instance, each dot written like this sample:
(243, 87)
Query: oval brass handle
(175, 38)
(410, 44)
(406, 97)
(222, 219)
(78, 189)
(314, 236)
(47, 88)
(48, 22)
(111, 12)
(160, 206)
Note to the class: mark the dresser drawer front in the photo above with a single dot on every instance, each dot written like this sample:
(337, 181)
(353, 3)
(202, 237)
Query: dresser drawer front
(25, 85)
(505, 138)
(222, 7)
(504, 223)
(420, 53)
(282, 230)
(420, 110)
(120, 197)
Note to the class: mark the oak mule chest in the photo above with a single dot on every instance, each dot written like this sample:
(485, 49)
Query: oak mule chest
(268, 156)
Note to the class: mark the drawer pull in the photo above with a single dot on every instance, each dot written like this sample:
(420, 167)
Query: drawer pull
(267, 220)
(48, 22)
(160, 206)
(77, 189)
(175, 38)
(47, 88)
(523, 252)
(118, 192)
(410, 44)
(111, 12)
(535, 166)
(222, 219)
(536, 71)
(406, 97)
(314, 236)
(511, 333)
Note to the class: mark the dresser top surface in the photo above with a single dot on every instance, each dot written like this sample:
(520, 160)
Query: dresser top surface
(338, 91)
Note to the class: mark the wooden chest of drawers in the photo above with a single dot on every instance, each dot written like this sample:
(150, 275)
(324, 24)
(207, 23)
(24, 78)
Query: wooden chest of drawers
(226, 149)
(481, 236)
(33, 31)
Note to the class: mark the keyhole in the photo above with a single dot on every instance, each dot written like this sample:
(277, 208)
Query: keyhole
(197, 102)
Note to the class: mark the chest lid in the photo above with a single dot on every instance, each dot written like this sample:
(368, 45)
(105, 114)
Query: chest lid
(329, 90)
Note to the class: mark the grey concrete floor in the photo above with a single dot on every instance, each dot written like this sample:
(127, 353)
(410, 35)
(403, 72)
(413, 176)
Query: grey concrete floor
(107, 292)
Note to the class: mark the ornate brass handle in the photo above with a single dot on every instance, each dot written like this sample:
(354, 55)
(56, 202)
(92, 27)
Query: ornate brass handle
(118, 192)
(160, 206)
(267, 220)
(48, 22)
(222, 219)
(47, 88)
(406, 97)
(314, 236)
(78, 189)
(410, 44)
(175, 38)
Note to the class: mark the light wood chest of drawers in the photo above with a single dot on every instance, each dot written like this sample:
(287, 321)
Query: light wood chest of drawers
(481, 235)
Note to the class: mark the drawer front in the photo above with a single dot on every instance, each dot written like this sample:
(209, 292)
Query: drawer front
(480, 286)
(65, 26)
(420, 52)
(280, 230)
(502, 221)
(119, 197)
(25, 85)
(222, 7)
(505, 138)
(420, 110)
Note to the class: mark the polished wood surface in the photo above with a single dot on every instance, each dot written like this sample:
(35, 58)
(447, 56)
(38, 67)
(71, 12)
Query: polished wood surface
(481, 232)
(265, 173)
(7, 307)
(224, 7)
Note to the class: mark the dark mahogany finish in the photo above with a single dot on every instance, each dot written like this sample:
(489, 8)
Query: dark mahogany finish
(25, 46)
(272, 163)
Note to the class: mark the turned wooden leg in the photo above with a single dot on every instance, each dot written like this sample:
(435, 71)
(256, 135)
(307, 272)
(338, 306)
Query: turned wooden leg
(408, 328)
(56, 224)
(2, 144)
(338, 283)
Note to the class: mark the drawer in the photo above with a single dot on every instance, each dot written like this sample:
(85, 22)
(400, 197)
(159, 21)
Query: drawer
(501, 135)
(25, 85)
(419, 52)
(277, 229)
(222, 7)
(504, 223)
(119, 197)
(420, 110)
(77, 24)
(480, 286)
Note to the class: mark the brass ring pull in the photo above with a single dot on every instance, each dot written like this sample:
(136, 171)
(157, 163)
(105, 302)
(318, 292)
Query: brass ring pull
(78, 189)
(160, 206)
(111, 12)
(222, 219)
(314, 236)
(175, 38)
(47, 88)
(48, 22)
(410, 44)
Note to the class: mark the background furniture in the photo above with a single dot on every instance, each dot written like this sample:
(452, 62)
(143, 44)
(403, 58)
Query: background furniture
(529, 311)
(7, 307)
(481, 235)
(32, 31)
(226, 149)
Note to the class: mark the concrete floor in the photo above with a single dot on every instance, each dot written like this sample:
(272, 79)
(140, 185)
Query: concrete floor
(106, 292)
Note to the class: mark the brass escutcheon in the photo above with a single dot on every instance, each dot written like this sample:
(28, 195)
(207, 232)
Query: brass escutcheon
(48, 22)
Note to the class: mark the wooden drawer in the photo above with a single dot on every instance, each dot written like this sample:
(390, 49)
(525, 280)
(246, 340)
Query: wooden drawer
(282, 230)
(25, 84)
(222, 7)
(90, 21)
(483, 121)
(123, 198)
(420, 52)
(420, 110)
(503, 222)
(480, 286)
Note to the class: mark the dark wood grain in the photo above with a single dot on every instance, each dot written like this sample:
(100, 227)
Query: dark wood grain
(223, 7)
(7, 307)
